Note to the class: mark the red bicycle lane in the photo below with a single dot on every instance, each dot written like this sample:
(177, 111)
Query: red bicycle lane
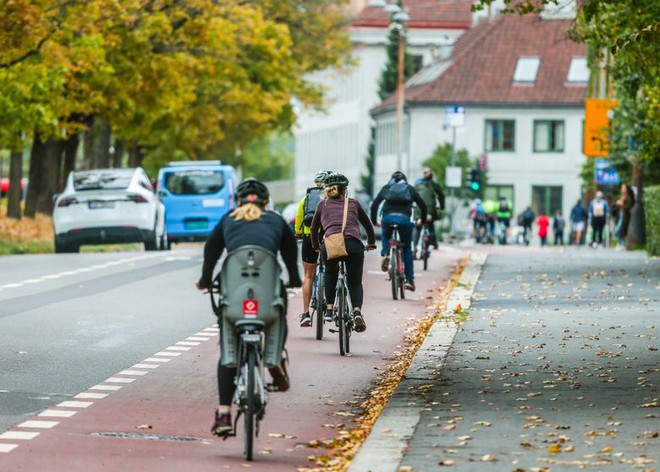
(157, 414)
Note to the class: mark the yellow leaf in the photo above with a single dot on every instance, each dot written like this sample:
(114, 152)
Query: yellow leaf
(554, 448)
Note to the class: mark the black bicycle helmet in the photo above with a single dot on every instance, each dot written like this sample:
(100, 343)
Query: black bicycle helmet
(321, 176)
(252, 190)
(337, 179)
(398, 175)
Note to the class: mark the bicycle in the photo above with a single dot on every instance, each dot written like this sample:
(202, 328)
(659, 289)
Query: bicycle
(395, 270)
(247, 298)
(342, 311)
(425, 252)
(317, 303)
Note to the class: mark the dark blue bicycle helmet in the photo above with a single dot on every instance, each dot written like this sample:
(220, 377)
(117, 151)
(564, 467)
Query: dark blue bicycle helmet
(252, 190)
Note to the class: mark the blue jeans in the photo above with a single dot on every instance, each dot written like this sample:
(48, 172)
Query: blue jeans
(405, 234)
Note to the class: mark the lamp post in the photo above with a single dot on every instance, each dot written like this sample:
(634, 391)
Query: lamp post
(399, 19)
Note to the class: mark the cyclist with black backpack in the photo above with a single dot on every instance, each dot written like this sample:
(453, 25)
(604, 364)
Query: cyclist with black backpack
(398, 197)
(310, 257)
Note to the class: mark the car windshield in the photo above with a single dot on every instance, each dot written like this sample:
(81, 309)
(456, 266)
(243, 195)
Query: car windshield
(102, 180)
(194, 182)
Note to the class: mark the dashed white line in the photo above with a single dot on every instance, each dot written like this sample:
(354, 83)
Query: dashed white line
(134, 372)
(26, 435)
(38, 424)
(194, 338)
(145, 366)
(177, 348)
(169, 354)
(91, 396)
(8, 447)
(187, 343)
(57, 413)
(157, 359)
(119, 380)
(74, 404)
(111, 388)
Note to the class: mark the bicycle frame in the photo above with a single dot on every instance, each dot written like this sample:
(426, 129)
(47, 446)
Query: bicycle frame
(344, 307)
(317, 302)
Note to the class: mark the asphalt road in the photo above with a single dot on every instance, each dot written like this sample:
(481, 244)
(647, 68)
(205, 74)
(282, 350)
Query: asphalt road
(100, 349)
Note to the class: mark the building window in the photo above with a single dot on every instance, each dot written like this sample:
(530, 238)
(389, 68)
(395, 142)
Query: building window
(578, 72)
(546, 200)
(500, 135)
(548, 136)
(526, 69)
(495, 192)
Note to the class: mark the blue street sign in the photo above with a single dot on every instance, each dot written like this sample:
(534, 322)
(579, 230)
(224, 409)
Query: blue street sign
(604, 174)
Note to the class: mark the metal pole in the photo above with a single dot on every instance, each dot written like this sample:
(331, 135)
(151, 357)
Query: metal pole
(399, 100)
(453, 163)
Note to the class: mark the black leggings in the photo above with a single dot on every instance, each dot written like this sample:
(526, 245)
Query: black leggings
(226, 375)
(354, 264)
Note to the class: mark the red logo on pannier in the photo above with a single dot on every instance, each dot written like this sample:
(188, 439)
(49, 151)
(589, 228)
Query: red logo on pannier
(250, 308)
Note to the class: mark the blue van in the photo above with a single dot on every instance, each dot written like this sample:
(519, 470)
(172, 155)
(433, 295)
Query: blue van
(196, 194)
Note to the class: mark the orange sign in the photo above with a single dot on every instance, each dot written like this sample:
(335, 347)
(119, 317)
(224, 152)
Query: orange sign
(597, 113)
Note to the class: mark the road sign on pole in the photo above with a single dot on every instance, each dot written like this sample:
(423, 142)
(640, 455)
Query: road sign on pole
(453, 177)
(597, 115)
(454, 117)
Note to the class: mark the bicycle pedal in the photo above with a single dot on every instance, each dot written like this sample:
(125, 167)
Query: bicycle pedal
(333, 331)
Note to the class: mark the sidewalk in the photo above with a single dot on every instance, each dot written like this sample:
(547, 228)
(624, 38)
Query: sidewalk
(557, 369)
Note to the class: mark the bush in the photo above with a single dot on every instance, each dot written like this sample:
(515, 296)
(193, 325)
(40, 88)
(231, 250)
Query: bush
(652, 207)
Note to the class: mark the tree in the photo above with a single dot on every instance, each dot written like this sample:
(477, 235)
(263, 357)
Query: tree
(268, 158)
(367, 180)
(441, 159)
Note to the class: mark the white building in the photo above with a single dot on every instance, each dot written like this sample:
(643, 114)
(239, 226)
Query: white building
(522, 84)
(338, 138)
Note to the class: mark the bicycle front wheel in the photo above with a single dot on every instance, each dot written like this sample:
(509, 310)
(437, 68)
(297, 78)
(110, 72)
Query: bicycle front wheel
(251, 404)
(320, 305)
(399, 274)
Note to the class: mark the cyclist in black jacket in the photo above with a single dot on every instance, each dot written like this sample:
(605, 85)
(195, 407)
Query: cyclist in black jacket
(398, 196)
(249, 224)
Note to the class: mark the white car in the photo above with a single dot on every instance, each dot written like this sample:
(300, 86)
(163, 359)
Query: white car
(108, 206)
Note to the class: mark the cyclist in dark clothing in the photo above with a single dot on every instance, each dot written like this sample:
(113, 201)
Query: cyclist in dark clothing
(249, 224)
(398, 197)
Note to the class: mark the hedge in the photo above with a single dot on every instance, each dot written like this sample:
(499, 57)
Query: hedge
(652, 208)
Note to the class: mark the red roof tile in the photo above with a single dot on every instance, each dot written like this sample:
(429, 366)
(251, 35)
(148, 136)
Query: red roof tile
(484, 60)
(424, 14)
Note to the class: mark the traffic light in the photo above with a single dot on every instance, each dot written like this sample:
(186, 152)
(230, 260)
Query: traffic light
(474, 179)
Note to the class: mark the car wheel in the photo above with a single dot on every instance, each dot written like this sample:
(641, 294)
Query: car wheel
(164, 242)
(151, 242)
(62, 248)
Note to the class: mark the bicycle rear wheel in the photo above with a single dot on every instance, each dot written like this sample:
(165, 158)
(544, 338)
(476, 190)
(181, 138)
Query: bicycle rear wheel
(251, 404)
(400, 275)
(394, 274)
(348, 327)
(320, 305)
(341, 321)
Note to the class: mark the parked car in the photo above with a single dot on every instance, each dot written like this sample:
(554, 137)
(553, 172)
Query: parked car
(196, 195)
(108, 206)
(5, 183)
(289, 215)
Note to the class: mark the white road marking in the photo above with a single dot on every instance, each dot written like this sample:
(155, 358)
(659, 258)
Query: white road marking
(73, 404)
(8, 447)
(38, 424)
(57, 413)
(177, 348)
(92, 396)
(145, 366)
(119, 380)
(111, 388)
(134, 372)
(169, 354)
(26, 435)
(157, 359)
(196, 338)
(187, 343)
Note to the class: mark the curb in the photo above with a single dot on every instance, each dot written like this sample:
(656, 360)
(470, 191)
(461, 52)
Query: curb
(383, 449)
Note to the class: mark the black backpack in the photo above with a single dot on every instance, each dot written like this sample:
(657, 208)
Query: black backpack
(311, 202)
(399, 193)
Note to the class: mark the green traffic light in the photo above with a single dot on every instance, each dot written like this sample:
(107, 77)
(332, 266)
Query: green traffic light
(474, 186)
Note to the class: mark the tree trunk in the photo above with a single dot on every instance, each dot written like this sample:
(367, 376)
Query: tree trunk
(70, 152)
(52, 161)
(118, 156)
(135, 156)
(15, 193)
(636, 230)
(104, 135)
(35, 176)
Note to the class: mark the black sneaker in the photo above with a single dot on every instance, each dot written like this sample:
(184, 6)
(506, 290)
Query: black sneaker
(222, 425)
(385, 264)
(329, 315)
(305, 320)
(280, 377)
(408, 285)
(358, 322)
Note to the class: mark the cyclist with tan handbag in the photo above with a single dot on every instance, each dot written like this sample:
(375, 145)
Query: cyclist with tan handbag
(340, 215)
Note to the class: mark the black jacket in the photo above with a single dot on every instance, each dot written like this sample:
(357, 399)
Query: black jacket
(389, 208)
(270, 232)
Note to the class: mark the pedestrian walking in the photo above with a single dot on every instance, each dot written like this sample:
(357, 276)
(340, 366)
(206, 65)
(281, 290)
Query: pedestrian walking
(625, 204)
(598, 211)
(578, 222)
(558, 224)
(543, 222)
